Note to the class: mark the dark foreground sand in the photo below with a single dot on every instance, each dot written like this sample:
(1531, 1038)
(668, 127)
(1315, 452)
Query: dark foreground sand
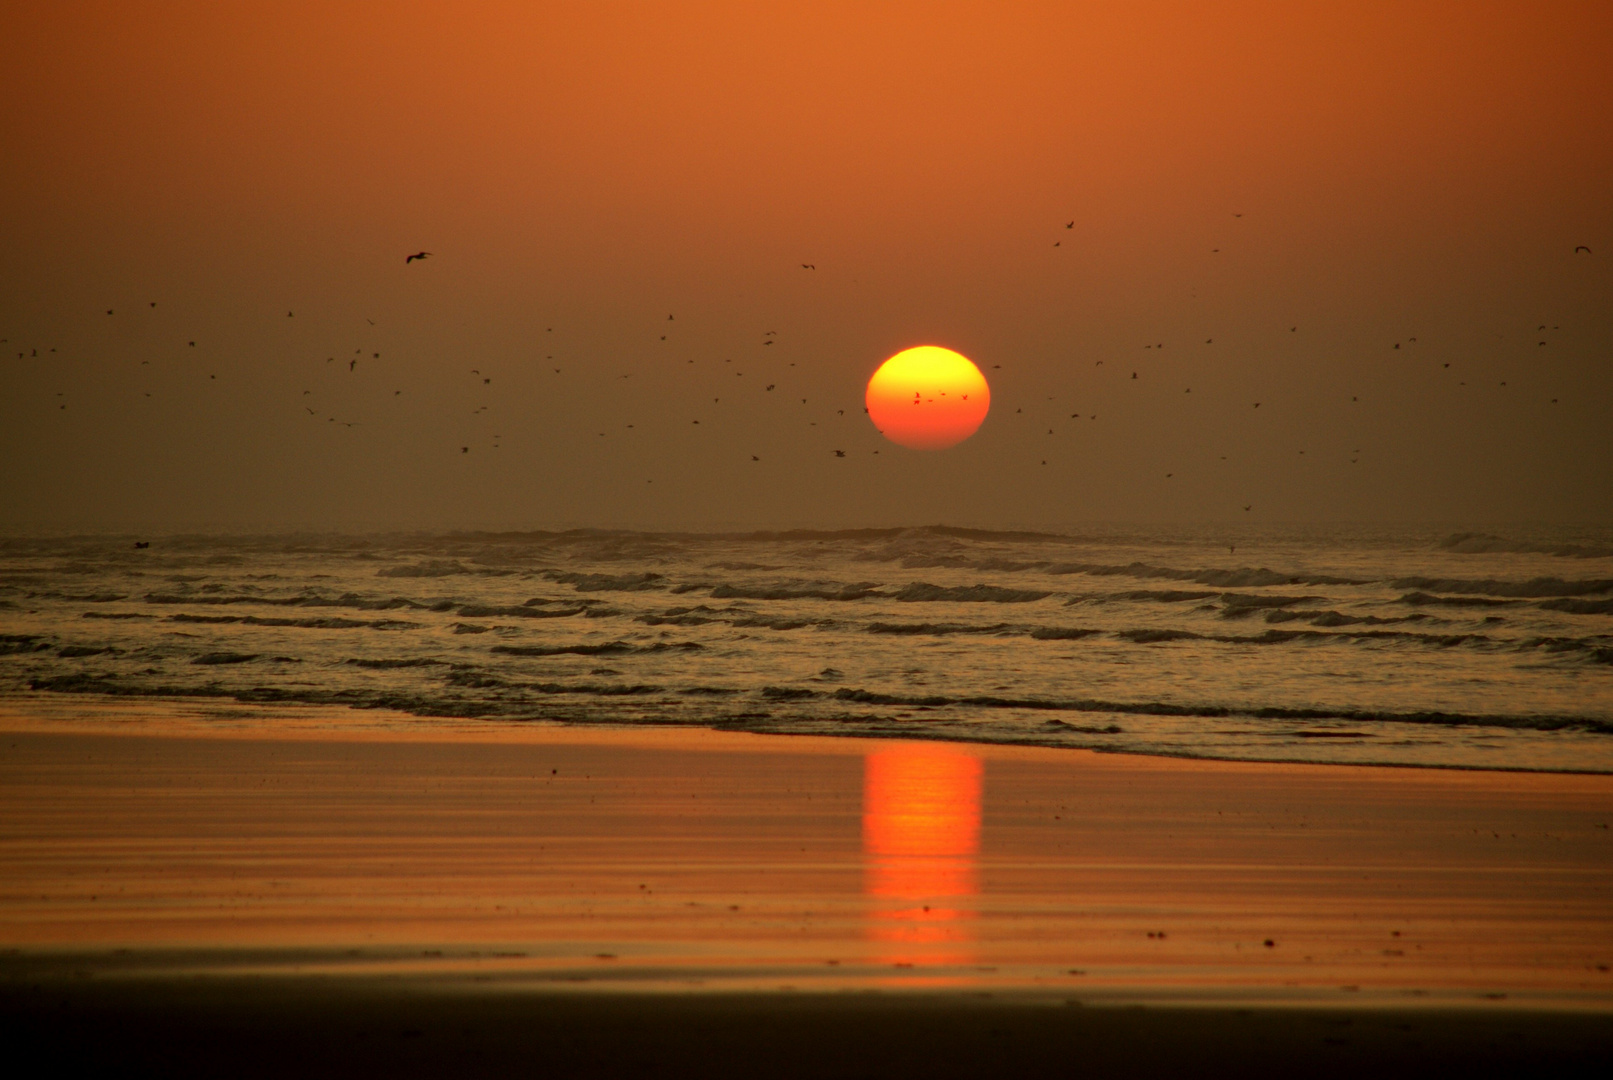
(192, 889)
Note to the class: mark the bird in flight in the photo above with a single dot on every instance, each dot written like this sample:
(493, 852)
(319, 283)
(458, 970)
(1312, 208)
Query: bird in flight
(1577, 250)
(1248, 507)
(840, 453)
(1069, 224)
(352, 364)
(809, 266)
(417, 255)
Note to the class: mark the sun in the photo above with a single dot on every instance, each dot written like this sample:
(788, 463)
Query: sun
(928, 398)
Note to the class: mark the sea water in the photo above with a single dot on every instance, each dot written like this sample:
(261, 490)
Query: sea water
(1345, 645)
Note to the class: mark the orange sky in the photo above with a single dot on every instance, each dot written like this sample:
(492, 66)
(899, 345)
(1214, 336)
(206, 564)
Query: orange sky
(1403, 170)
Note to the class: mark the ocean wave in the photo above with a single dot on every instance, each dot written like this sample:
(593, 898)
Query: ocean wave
(1153, 636)
(969, 562)
(788, 693)
(431, 568)
(923, 592)
(513, 611)
(1474, 543)
(858, 591)
(776, 622)
(1338, 618)
(347, 600)
(1240, 577)
(510, 701)
(607, 582)
(1245, 605)
(936, 628)
(1579, 607)
(1534, 587)
(10, 644)
(1422, 599)
(609, 648)
(676, 620)
(306, 624)
(1159, 708)
(1597, 650)
(480, 680)
(78, 598)
(1061, 633)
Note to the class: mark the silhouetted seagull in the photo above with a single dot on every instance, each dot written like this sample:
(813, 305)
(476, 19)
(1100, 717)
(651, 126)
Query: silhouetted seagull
(416, 255)
(1577, 250)
(840, 453)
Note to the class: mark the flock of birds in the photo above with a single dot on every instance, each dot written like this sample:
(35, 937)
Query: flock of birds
(767, 338)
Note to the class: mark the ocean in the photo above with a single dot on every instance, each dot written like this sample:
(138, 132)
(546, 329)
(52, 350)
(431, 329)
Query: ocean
(1385, 646)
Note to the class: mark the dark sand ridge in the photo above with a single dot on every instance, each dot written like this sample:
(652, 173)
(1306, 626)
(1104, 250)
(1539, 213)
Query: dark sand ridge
(350, 864)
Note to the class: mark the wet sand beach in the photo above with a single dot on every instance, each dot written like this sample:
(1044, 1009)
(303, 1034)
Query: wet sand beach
(299, 876)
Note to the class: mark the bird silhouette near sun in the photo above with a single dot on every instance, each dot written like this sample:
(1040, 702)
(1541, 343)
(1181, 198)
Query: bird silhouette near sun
(928, 398)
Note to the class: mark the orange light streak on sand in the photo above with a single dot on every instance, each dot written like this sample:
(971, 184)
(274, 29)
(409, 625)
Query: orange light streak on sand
(921, 833)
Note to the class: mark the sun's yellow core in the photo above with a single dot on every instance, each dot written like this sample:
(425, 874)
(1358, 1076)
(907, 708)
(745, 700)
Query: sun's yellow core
(927, 398)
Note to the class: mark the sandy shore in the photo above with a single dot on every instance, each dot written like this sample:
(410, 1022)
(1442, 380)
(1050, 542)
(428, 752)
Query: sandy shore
(144, 844)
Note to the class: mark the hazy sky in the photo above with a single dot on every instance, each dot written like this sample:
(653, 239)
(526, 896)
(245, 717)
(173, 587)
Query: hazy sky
(582, 171)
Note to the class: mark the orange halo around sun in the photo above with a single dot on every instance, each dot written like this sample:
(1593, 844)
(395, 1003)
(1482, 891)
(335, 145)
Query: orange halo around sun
(928, 398)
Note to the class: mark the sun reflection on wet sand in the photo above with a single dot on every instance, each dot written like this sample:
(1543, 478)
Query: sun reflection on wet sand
(921, 833)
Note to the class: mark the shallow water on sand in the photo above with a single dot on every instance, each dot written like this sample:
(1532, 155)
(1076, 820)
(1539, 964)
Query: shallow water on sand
(1398, 647)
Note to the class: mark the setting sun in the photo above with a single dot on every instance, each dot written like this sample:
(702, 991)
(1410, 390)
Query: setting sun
(928, 398)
